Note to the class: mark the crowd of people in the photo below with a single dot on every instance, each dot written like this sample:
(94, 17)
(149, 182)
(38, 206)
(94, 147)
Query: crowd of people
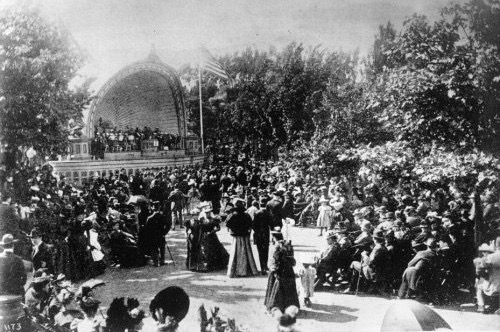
(111, 139)
(406, 241)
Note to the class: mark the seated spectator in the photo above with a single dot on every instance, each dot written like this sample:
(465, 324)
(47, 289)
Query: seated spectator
(490, 287)
(324, 263)
(421, 266)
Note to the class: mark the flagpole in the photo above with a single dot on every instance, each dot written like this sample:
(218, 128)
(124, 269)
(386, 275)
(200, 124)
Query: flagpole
(201, 111)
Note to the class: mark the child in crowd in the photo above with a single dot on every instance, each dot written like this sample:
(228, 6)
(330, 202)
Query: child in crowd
(307, 274)
(325, 216)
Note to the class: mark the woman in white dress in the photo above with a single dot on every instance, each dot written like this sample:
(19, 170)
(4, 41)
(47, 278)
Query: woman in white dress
(325, 215)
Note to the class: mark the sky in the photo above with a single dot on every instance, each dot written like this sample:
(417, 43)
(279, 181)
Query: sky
(117, 32)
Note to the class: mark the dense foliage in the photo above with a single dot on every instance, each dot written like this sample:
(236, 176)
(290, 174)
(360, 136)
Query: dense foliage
(274, 99)
(37, 62)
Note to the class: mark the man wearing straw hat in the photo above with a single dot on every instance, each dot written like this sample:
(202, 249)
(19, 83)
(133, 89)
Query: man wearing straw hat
(12, 272)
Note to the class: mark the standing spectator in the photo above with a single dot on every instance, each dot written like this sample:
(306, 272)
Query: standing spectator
(97, 265)
(275, 208)
(177, 199)
(42, 258)
(241, 261)
(12, 272)
(325, 216)
(307, 275)
(281, 289)
(261, 229)
(156, 229)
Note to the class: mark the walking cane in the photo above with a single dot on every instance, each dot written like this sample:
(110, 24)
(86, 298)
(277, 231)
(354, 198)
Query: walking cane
(357, 284)
(170, 253)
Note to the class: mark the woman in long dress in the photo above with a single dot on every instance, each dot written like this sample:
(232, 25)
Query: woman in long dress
(325, 215)
(205, 251)
(281, 289)
(241, 261)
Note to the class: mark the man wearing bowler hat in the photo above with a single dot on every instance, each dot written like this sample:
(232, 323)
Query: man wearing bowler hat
(275, 208)
(422, 264)
(42, 257)
(157, 226)
(261, 228)
(12, 272)
(324, 264)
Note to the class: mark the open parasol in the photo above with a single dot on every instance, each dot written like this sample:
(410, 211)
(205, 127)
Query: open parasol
(409, 315)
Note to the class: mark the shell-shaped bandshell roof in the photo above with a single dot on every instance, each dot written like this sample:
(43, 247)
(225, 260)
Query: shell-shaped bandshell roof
(145, 93)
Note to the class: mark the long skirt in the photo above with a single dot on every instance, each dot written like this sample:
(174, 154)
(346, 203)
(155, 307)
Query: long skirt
(241, 261)
(281, 293)
(208, 255)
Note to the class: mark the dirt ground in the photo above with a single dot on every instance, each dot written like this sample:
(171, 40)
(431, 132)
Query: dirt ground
(242, 298)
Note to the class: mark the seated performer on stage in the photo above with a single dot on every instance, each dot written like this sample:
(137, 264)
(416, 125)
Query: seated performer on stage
(205, 252)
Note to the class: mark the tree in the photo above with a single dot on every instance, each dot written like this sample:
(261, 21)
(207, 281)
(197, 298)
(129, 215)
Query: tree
(441, 80)
(273, 99)
(37, 62)
(383, 42)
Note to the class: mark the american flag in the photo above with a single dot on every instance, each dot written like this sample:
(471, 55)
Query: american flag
(209, 63)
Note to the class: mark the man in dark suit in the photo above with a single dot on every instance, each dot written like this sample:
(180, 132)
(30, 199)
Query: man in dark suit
(177, 197)
(42, 257)
(422, 263)
(372, 266)
(261, 228)
(324, 264)
(157, 226)
(275, 209)
(12, 272)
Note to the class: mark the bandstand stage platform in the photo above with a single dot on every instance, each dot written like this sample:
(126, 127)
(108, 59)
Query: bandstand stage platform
(147, 93)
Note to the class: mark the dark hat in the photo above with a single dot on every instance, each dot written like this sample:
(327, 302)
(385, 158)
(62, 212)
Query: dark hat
(340, 227)
(331, 235)
(278, 192)
(88, 302)
(277, 235)
(378, 234)
(263, 200)
(35, 233)
(8, 240)
(173, 300)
